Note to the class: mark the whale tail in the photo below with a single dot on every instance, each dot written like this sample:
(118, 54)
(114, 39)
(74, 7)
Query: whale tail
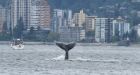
(66, 48)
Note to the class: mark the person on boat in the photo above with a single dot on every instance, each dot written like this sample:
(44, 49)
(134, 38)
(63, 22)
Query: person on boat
(18, 42)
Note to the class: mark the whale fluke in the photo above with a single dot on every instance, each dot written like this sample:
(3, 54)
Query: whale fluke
(66, 48)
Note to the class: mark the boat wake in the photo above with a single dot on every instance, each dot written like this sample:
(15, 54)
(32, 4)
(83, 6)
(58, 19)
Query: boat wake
(17, 47)
(81, 59)
(62, 58)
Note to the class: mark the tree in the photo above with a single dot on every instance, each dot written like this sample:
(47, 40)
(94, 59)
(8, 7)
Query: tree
(90, 33)
(125, 36)
(38, 28)
(52, 37)
(31, 35)
(18, 30)
(32, 30)
(133, 35)
(11, 32)
(4, 27)
(116, 37)
(4, 36)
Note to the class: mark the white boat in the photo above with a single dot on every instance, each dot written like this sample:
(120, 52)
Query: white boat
(17, 47)
(17, 44)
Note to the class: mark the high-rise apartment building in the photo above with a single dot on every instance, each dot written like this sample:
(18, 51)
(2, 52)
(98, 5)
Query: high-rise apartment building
(35, 13)
(56, 20)
(40, 15)
(61, 18)
(103, 29)
(120, 27)
(2, 17)
(8, 16)
(137, 28)
(20, 9)
(79, 18)
(90, 23)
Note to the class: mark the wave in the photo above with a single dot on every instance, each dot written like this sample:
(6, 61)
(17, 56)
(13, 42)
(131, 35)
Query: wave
(62, 58)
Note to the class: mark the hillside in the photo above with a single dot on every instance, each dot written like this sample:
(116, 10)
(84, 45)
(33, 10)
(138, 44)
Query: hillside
(101, 8)
(3, 2)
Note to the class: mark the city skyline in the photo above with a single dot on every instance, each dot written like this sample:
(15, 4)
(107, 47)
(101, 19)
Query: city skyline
(70, 26)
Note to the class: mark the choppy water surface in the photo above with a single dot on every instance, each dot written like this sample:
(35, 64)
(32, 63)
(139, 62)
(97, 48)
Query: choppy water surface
(84, 60)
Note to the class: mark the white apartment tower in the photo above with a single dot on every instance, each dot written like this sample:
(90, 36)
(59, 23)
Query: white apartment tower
(103, 29)
(120, 26)
(20, 9)
(2, 17)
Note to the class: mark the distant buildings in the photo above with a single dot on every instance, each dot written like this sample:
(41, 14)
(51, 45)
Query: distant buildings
(72, 34)
(8, 16)
(63, 23)
(120, 27)
(103, 29)
(82, 35)
(79, 18)
(56, 20)
(137, 28)
(71, 26)
(40, 15)
(138, 13)
(34, 18)
(135, 0)
(35, 13)
(60, 19)
(75, 28)
(20, 9)
(2, 17)
(107, 29)
(90, 23)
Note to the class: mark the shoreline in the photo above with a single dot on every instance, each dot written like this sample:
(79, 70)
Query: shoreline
(78, 44)
(53, 43)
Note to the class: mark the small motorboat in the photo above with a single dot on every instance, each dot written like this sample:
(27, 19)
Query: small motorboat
(17, 44)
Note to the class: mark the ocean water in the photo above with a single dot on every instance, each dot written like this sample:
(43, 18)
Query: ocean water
(84, 60)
